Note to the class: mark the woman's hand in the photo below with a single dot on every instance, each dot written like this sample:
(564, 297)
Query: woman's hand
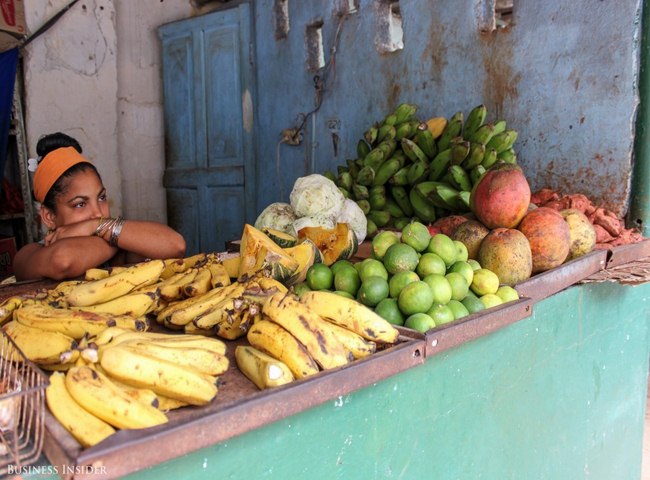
(84, 228)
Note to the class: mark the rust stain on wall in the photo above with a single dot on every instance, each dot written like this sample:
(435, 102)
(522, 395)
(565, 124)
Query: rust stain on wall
(501, 81)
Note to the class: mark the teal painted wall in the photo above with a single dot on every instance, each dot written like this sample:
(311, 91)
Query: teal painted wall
(559, 395)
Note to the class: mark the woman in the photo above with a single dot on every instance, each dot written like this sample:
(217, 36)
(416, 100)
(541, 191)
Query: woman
(82, 234)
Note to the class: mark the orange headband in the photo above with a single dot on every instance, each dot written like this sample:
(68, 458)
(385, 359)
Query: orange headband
(53, 165)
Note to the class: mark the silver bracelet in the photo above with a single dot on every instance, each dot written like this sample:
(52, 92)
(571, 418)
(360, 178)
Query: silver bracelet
(104, 224)
(116, 229)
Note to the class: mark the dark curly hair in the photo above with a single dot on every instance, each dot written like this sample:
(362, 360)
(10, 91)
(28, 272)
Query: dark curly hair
(49, 143)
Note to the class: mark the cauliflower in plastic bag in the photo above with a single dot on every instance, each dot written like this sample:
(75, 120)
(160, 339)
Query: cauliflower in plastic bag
(316, 195)
(278, 216)
(354, 216)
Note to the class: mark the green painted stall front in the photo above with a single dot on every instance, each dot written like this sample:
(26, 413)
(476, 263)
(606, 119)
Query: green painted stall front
(558, 395)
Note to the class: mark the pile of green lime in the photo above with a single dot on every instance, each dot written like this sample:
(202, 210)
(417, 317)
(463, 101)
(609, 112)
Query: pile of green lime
(414, 279)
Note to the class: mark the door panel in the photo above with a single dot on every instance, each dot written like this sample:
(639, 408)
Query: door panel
(183, 214)
(209, 156)
(223, 87)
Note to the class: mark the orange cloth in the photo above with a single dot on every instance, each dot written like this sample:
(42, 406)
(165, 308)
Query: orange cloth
(53, 165)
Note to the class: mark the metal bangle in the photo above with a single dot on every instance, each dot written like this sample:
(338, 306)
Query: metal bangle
(104, 223)
(116, 229)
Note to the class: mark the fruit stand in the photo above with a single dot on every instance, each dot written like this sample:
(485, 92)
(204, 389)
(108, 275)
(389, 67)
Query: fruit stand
(533, 378)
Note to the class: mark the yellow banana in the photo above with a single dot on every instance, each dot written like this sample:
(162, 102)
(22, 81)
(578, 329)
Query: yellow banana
(115, 336)
(183, 312)
(269, 284)
(40, 346)
(191, 329)
(166, 404)
(176, 265)
(353, 342)
(436, 126)
(96, 274)
(350, 314)
(202, 360)
(172, 289)
(201, 284)
(96, 393)
(148, 397)
(85, 427)
(113, 286)
(74, 323)
(7, 308)
(277, 342)
(262, 369)
(237, 324)
(163, 377)
(219, 276)
(133, 304)
(63, 288)
(305, 324)
(228, 310)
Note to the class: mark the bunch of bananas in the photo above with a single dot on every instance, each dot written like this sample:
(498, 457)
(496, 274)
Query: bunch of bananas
(296, 338)
(406, 168)
(122, 379)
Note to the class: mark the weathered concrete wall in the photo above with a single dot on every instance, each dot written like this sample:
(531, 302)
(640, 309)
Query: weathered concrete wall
(96, 76)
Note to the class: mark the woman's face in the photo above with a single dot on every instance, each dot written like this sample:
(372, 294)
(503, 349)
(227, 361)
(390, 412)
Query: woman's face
(83, 199)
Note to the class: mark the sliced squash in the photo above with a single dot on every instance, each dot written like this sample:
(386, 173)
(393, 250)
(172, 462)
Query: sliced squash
(232, 265)
(282, 239)
(306, 253)
(338, 243)
(257, 252)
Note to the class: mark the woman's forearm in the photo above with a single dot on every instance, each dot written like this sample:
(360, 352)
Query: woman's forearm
(146, 239)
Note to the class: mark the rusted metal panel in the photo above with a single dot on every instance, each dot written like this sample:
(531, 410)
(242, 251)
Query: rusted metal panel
(547, 283)
(476, 325)
(628, 253)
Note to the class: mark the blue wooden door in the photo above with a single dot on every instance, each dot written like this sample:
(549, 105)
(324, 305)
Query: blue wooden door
(208, 104)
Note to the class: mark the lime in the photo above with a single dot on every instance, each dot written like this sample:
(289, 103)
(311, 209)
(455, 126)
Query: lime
(440, 287)
(490, 300)
(300, 288)
(320, 277)
(420, 322)
(459, 286)
(474, 263)
(371, 267)
(344, 294)
(389, 310)
(340, 264)
(373, 290)
(507, 293)
(398, 281)
(484, 281)
(445, 247)
(464, 268)
(416, 297)
(381, 242)
(400, 257)
(472, 303)
(458, 308)
(347, 279)
(441, 314)
(416, 235)
(430, 263)
(461, 251)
